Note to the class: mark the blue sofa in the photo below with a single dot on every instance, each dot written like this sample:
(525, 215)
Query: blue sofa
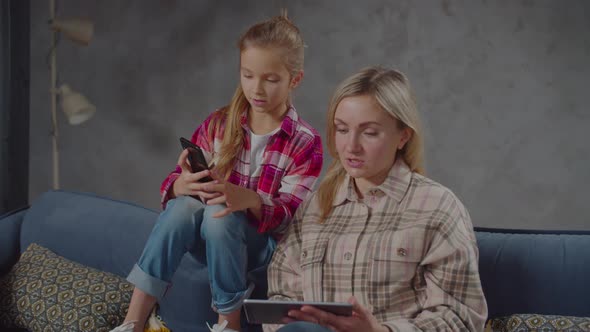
(521, 271)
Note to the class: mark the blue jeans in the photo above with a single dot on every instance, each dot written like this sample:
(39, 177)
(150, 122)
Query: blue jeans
(229, 246)
(303, 327)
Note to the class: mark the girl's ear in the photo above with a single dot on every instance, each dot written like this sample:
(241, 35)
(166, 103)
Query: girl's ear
(296, 80)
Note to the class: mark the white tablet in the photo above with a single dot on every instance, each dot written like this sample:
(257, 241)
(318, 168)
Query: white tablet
(272, 312)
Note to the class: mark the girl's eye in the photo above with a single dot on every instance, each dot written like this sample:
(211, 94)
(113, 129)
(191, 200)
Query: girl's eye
(273, 80)
(371, 133)
(247, 76)
(341, 130)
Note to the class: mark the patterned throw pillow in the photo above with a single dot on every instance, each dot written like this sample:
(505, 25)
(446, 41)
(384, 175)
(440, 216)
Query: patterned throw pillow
(46, 292)
(539, 323)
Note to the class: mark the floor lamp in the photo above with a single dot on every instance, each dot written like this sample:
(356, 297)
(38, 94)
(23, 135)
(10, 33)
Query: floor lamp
(75, 106)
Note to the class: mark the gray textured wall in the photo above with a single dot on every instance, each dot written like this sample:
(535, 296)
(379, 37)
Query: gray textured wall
(502, 87)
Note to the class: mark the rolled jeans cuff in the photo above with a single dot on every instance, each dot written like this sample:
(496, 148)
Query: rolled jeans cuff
(150, 285)
(233, 304)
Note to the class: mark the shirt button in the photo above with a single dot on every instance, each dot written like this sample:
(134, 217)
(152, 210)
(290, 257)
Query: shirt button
(401, 252)
(348, 256)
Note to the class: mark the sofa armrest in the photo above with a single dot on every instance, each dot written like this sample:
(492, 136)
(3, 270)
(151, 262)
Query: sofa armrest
(10, 224)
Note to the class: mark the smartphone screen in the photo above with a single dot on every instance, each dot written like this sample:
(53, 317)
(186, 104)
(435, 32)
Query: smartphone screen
(195, 158)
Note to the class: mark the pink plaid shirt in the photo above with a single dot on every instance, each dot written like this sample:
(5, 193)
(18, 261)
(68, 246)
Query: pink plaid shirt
(290, 166)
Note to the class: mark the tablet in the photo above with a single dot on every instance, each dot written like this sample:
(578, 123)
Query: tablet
(272, 312)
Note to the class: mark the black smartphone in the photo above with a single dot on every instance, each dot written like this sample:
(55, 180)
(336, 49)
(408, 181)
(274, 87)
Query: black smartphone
(195, 157)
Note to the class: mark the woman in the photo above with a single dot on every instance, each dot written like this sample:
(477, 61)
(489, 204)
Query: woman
(378, 233)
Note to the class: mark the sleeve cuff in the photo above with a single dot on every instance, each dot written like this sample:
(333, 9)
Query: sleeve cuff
(166, 189)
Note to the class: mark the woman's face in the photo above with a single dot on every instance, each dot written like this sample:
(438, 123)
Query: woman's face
(367, 139)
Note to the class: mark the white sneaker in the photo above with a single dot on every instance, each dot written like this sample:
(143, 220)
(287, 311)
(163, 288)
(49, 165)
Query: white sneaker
(125, 327)
(220, 328)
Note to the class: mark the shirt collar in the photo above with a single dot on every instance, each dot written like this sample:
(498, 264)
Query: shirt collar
(345, 192)
(288, 125)
(395, 185)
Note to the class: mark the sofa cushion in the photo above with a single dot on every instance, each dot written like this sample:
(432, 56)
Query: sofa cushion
(102, 233)
(46, 292)
(542, 272)
(535, 322)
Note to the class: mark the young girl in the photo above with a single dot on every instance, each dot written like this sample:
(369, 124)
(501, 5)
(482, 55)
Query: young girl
(266, 161)
(378, 233)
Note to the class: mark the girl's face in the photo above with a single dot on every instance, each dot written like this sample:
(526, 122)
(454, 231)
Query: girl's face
(367, 139)
(265, 80)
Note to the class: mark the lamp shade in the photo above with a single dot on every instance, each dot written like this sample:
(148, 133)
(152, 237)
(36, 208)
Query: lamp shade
(76, 107)
(78, 30)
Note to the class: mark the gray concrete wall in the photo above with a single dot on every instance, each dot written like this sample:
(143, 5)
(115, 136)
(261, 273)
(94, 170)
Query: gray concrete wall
(502, 88)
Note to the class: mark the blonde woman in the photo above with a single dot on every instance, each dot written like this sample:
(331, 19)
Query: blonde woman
(378, 233)
(267, 160)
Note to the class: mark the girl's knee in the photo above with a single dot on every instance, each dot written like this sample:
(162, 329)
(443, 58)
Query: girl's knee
(183, 206)
(180, 213)
(230, 227)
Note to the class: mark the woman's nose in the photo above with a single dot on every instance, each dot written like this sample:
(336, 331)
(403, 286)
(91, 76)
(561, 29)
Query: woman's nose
(354, 145)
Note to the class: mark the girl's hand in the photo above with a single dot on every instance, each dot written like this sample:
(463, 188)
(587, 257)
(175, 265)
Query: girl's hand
(188, 183)
(236, 198)
(361, 320)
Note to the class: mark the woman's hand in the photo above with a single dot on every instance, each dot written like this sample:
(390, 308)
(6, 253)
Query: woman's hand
(188, 183)
(361, 320)
(236, 198)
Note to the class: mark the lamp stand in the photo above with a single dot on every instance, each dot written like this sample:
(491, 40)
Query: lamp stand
(53, 92)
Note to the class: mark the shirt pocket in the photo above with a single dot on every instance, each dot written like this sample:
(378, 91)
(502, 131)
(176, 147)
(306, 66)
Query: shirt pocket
(395, 257)
(393, 265)
(312, 258)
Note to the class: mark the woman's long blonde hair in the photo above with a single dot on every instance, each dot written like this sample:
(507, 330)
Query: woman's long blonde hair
(391, 89)
(280, 34)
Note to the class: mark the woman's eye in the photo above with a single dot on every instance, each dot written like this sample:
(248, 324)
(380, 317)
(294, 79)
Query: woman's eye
(341, 130)
(371, 133)
(273, 80)
(247, 76)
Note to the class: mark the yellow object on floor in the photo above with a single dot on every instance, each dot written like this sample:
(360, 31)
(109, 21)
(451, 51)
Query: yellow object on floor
(155, 323)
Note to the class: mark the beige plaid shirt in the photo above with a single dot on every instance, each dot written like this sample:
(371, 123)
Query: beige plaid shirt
(407, 251)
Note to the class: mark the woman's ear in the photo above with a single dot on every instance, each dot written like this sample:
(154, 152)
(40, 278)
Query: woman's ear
(405, 136)
(296, 79)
